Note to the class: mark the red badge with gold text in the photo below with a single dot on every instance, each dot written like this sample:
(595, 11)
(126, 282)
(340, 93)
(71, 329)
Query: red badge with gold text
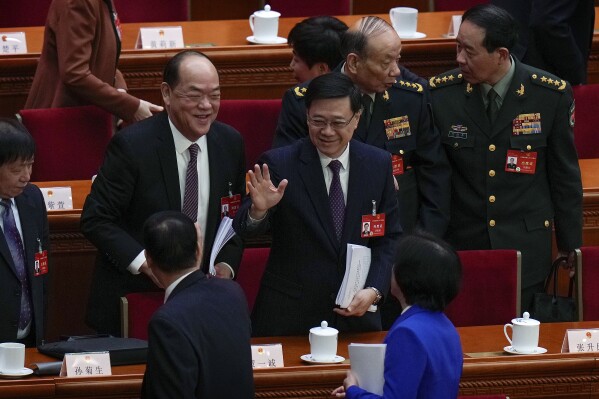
(521, 162)
(229, 205)
(41, 263)
(397, 164)
(373, 225)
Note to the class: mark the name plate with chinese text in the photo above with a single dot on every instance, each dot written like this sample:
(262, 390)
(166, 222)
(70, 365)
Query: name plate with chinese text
(57, 198)
(160, 38)
(267, 356)
(581, 340)
(13, 43)
(87, 364)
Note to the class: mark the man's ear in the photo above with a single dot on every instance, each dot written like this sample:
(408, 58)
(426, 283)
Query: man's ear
(504, 54)
(351, 62)
(165, 90)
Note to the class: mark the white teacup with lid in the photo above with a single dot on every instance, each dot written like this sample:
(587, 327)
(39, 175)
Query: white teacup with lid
(323, 342)
(525, 334)
(265, 25)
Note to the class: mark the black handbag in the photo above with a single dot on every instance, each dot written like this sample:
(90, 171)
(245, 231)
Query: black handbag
(548, 306)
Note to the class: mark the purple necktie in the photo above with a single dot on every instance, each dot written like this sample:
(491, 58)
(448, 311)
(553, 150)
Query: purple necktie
(190, 198)
(15, 245)
(336, 200)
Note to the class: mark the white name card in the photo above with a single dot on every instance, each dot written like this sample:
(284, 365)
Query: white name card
(160, 38)
(13, 43)
(454, 25)
(580, 340)
(57, 198)
(267, 356)
(89, 364)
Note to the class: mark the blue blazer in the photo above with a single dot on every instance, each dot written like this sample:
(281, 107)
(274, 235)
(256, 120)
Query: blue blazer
(423, 358)
(307, 263)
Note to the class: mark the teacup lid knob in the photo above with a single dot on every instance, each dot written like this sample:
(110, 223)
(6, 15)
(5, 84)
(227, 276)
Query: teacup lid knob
(324, 324)
(526, 315)
(267, 8)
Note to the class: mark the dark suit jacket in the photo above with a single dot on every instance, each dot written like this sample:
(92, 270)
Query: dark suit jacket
(423, 358)
(199, 343)
(34, 225)
(306, 263)
(139, 178)
(78, 64)
(424, 187)
(523, 207)
(555, 35)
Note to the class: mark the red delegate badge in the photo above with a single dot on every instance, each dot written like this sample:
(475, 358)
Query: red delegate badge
(521, 162)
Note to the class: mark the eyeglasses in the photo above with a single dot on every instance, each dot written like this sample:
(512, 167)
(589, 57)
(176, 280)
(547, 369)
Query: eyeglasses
(335, 125)
(197, 99)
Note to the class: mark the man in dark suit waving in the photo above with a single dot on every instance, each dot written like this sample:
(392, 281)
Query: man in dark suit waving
(180, 160)
(23, 240)
(326, 185)
(198, 348)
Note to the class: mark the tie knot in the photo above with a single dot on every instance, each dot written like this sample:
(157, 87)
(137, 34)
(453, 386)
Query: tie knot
(335, 166)
(193, 151)
(492, 95)
(366, 102)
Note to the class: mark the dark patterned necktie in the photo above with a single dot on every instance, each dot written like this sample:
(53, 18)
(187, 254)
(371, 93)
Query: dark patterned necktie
(336, 200)
(366, 113)
(15, 245)
(492, 108)
(190, 198)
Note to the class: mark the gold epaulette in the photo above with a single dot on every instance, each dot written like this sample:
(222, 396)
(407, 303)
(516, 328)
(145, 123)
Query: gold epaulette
(300, 91)
(547, 80)
(445, 79)
(411, 86)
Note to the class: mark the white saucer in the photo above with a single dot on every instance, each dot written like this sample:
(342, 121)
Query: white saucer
(537, 351)
(416, 35)
(16, 373)
(278, 40)
(308, 358)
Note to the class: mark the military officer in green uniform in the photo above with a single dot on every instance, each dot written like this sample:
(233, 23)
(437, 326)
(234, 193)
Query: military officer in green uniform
(507, 130)
(396, 117)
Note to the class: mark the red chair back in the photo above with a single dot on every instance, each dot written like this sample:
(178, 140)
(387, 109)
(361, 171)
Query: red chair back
(457, 5)
(24, 13)
(490, 291)
(136, 311)
(250, 272)
(310, 8)
(586, 127)
(70, 142)
(256, 120)
(588, 275)
(152, 10)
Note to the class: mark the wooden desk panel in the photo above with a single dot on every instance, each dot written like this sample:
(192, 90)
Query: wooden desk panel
(487, 370)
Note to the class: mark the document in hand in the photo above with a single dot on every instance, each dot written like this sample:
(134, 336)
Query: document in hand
(224, 234)
(368, 364)
(357, 266)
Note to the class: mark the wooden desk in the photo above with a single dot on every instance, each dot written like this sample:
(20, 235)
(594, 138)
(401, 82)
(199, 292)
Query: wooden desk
(487, 370)
(246, 71)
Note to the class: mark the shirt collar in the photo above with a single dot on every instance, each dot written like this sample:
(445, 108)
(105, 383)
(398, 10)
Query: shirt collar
(182, 143)
(343, 158)
(171, 287)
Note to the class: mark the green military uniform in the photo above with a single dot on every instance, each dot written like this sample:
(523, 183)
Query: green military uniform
(499, 206)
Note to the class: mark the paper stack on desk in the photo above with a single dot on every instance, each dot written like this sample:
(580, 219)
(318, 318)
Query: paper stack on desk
(357, 266)
(224, 234)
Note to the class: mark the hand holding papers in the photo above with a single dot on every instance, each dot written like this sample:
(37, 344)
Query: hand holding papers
(224, 234)
(357, 267)
(368, 365)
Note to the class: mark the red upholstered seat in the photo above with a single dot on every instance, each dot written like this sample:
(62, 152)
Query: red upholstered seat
(310, 8)
(588, 273)
(456, 5)
(490, 291)
(70, 141)
(586, 128)
(152, 10)
(136, 311)
(23, 13)
(250, 272)
(256, 120)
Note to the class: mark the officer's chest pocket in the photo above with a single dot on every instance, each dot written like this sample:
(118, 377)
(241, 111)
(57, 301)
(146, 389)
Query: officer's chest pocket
(456, 140)
(401, 145)
(528, 142)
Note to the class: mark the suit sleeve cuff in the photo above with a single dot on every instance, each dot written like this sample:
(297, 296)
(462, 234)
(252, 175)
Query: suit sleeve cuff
(136, 263)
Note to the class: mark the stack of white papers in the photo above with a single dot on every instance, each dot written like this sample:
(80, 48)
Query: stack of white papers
(224, 234)
(368, 364)
(357, 267)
